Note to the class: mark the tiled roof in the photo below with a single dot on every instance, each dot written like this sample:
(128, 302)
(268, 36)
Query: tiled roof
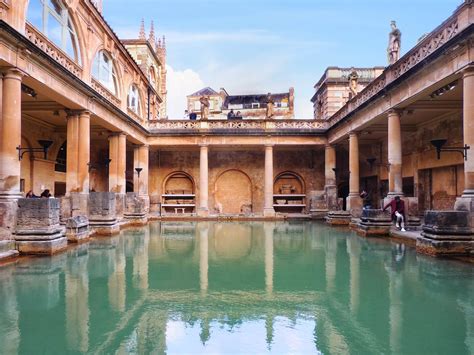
(205, 91)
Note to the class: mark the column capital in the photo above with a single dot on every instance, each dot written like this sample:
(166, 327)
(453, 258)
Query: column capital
(116, 134)
(72, 113)
(13, 73)
(83, 113)
(394, 111)
(353, 134)
(204, 145)
(269, 145)
(468, 71)
(329, 146)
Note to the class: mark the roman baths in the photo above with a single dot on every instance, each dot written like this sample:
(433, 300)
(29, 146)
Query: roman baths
(242, 227)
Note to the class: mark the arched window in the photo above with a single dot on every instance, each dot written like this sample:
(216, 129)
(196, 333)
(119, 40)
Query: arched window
(133, 99)
(103, 70)
(52, 18)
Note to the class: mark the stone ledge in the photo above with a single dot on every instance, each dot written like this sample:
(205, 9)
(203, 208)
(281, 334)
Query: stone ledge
(445, 247)
(42, 247)
(9, 254)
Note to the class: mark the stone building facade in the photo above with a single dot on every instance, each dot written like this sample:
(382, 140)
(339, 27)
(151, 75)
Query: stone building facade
(99, 105)
(252, 106)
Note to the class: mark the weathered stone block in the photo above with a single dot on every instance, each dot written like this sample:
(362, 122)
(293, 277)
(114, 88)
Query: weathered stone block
(318, 204)
(77, 228)
(102, 213)
(338, 218)
(8, 209)
(38, 230)
(446, 233)
(135, 208)
(374, 223)
(447, 225)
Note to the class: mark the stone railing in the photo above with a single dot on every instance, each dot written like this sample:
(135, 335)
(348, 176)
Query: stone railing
(417, 54)
(291, 125)
(105, 92)
(134, 115)
(42, 42)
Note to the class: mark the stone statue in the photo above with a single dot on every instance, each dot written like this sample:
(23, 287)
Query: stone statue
(204, 107)
(394, 44)
(353, 82)
(270, 107)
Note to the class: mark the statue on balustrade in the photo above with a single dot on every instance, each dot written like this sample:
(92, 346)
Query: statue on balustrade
(204, 107)
(270, 107)
(353, 82)
(394, 44)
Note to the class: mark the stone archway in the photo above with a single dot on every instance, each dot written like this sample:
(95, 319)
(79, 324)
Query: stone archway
(233, 192)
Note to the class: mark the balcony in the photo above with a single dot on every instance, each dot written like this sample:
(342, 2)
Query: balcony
(238, 127)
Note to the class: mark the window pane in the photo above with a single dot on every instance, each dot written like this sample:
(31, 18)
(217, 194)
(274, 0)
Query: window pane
(35, 14)
(71, 46)
(54, 30)
(55, 7)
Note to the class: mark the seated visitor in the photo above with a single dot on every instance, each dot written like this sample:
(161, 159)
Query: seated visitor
(45, 194)
(193, 116)
(397, 207)
(238, 115)
(231, 115)
(366, 200)
(30, 194)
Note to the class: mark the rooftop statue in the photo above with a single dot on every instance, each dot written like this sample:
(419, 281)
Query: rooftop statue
(353, 82)
(270, 107)
(394, 44)
(204, 107)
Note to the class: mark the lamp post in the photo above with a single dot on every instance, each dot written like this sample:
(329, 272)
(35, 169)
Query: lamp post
(45, 144)
(439, 143)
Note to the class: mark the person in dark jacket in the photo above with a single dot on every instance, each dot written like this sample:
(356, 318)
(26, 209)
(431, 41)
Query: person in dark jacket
(45, 194)
(397, 207)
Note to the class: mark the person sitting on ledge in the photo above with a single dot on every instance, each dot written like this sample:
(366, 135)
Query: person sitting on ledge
(30, 194)
(46, 194)
(397, 207)
(238, 116)
(231, 115)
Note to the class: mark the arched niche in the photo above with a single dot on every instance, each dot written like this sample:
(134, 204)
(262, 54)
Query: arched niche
(178, 183)
(233, 192)
(289, 182)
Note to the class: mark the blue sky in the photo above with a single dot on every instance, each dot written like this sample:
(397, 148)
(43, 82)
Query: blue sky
(269, 45)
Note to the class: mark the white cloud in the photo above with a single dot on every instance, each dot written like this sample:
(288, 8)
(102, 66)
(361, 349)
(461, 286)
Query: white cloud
(180, 84)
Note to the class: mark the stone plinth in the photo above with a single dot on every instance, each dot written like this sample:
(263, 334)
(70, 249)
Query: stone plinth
(135, 209)
(446, 233)
(38, 230)
(338, 218)
(318, 205)
(374, 223)
(77, 229)
(102, 213)
(8, 210)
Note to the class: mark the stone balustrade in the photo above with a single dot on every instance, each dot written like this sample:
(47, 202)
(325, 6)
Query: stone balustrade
(105, 93)
(42, 42)
(290, 126)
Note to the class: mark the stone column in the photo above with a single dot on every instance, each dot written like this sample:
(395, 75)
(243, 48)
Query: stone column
(354, 202)
(83, 152)
(10, 135)
(330, 187)
(117, 156)
(140, 160)
(268, 210)
(72, 151)
(203, 181)
(466, 201)
(394, 154)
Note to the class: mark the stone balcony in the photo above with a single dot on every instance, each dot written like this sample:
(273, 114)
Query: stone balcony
(238, 127)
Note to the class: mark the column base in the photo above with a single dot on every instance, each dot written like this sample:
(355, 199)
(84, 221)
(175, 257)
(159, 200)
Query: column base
(8, 217)
(354, 205)
(268, 212)
(7, 249)
(203, 212)
(331, 197)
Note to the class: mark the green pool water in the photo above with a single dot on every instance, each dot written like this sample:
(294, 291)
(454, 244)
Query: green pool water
(247, 288)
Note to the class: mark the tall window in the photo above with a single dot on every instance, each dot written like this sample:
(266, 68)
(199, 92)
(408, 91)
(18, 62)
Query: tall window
(104, 71)
(134, 99)
(52, 18)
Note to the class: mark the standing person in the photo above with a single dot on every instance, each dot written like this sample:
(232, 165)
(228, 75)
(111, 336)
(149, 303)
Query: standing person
(397, 207)
(45, 194)
(231, 115)
(30, 194)
(366, 200)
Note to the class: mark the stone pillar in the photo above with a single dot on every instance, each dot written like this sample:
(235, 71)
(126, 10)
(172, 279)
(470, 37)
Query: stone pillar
(117, 156)
(117, 167)
(72, 151)
(468, 133)
(394, 154)
(268, 210)
(140, 160)
(330, 187)
(10, 167)
(10, 135)
(354, 202)
(83, 152)
(203, 181)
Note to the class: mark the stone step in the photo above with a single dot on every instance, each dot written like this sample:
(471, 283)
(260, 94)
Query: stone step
(8, 254)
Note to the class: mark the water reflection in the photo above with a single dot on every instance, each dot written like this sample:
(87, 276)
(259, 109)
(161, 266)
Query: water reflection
(246, 287)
